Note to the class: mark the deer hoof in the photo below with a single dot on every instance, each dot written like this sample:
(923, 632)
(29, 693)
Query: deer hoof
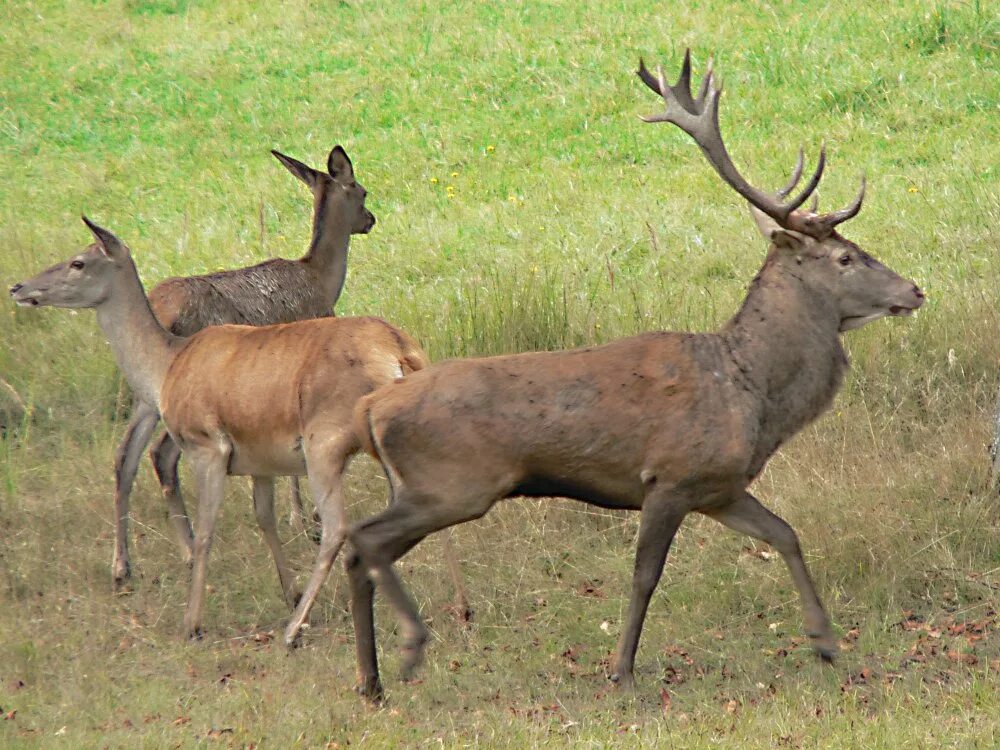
(622, 680)
(121, 573)
(370, 688)
(826, 647)
(195, 634)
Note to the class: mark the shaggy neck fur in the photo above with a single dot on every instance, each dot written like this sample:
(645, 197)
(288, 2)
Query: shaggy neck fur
(785, 342)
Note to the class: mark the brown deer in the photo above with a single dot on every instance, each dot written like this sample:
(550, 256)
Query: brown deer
(664, 423)
(242, 400)
(275, 291)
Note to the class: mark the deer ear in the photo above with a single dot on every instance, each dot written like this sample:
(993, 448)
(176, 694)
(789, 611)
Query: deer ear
(110, 245)
(765, 224)
(303, 171)
(788, 239)
(338, 164)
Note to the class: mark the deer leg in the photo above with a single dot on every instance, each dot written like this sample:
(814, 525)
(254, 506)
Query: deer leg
(362, 589)
(165, 456)
(747, 515)
(306, 526)
(326, 468)
(461, 603)
(210, 472)
(263, 507)
(659, 521)
(137, 436)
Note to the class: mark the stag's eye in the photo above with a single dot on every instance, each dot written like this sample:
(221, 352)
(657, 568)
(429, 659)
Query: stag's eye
(77, 264)
(845, 259)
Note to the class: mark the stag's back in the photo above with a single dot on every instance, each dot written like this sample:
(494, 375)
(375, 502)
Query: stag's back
(275, 291)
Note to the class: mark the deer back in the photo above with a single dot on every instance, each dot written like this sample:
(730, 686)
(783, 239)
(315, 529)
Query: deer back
(260, 385)
(583, 423)
(276, 291)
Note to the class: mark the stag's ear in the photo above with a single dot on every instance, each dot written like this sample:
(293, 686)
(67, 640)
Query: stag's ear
(339, 165)
(303, 171)
(789, 240)
(110, 245)
(765, 224)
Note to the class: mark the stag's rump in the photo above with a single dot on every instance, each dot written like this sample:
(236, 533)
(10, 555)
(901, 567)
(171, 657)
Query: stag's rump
(598, 424)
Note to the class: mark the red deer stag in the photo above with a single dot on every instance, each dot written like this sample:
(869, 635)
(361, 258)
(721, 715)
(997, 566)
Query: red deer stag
(259, 401)
(664, 423)
(275, 291)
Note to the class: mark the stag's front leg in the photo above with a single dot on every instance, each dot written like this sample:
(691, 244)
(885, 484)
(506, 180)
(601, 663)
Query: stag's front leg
(747, 515)
(210, 472)
(140, 430)
(660, 519)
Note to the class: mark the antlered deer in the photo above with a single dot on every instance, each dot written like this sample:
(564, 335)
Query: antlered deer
(259, 401)
(275, 291)
(664, 423)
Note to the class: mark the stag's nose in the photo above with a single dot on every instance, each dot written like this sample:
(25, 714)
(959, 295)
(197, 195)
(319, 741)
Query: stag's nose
(16, 288)
(919, 294)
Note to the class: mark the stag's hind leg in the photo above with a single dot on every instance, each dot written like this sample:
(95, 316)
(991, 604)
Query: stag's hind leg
(380, 541)
(137, 436)
(747, 515)
(165, 456)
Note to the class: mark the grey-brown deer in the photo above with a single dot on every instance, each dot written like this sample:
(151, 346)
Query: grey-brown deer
(664, 423)
(243, 400)
(275, 291)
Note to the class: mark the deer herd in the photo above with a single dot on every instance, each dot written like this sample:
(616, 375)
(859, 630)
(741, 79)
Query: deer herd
(252, 375)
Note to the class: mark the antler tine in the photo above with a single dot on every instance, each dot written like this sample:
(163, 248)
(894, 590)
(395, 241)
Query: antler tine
(796, 175)
(799, 199)
(700, 120)
(837, 217)
(814, 206)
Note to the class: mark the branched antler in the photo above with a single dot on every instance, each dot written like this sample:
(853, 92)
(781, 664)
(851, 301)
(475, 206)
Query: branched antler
(699, 118)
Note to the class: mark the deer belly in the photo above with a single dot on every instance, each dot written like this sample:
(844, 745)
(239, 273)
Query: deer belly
(267, 458)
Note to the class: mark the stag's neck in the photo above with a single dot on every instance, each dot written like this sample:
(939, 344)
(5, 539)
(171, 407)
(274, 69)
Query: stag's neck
(786, 345)
(327, 255)
(142, 348)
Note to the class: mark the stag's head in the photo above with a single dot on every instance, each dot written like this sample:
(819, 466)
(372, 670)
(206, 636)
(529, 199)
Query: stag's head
(85, 280)
(339, 199)
(862, 288)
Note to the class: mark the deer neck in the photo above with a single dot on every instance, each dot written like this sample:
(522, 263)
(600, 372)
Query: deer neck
(786, 345)
(327, 253)
(143, 349)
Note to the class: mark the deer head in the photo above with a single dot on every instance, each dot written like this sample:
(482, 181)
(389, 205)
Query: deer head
(338, 196)
(85, 280)
(802, 239)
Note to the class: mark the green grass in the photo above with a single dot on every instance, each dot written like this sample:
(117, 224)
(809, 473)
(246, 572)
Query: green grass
(568, 221)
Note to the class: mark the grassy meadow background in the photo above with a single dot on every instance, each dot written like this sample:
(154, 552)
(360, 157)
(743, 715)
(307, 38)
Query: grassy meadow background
(521, 205)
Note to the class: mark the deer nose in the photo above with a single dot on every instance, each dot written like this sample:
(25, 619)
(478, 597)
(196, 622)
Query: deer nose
(16, 288)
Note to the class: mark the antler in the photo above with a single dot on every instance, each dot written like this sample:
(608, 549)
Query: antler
(699, 118)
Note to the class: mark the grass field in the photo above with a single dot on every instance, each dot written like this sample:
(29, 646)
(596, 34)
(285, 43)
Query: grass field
(521, 205)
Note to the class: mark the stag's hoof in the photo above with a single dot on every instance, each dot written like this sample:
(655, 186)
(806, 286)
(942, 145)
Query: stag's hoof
(370, 688)
(622, 680)
(825, 646)
(195, 634)
(413, 654)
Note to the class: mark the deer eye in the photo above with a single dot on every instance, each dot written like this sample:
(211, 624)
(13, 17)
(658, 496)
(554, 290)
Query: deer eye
(77, 264)
(845, 259)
